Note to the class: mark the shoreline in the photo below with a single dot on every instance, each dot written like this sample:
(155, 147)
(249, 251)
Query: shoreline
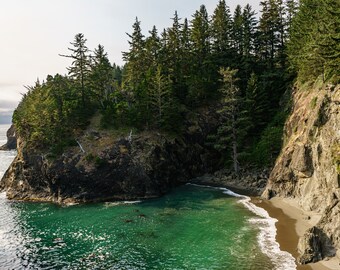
(292, 223)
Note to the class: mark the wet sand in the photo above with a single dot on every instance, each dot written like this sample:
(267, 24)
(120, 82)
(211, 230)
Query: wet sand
(292, 223)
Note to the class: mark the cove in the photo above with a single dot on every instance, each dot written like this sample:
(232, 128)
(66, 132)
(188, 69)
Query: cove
(190, 228)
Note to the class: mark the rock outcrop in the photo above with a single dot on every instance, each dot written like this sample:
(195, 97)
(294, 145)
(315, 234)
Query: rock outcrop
(113, 167)
(249, 181)
(11, 143)
(308, 167)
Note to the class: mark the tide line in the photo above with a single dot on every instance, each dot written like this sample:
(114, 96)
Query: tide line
(282, 260)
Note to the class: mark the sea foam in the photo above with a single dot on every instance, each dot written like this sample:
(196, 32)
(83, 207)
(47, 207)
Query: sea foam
(282, 260)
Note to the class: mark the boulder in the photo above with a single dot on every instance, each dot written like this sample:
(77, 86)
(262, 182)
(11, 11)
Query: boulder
(314, 246)
(11, 143)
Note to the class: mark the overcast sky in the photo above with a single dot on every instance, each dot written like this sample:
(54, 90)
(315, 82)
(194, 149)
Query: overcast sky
(34, 32)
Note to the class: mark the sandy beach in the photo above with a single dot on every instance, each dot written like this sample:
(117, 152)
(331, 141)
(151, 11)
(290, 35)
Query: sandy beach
(292, 223)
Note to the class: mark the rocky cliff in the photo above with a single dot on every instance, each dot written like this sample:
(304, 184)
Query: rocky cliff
(308, 167)
(11, 140)
(107, 166)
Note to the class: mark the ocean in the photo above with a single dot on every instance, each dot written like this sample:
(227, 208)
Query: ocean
(6, 157)
(192, 227)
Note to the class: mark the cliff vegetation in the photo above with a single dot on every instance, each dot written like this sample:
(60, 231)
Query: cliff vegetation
(169, 75)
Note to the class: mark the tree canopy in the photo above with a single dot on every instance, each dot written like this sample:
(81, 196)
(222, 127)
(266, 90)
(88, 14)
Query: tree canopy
(171, 72)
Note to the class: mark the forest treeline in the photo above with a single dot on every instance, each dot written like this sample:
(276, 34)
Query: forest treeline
(237, 59)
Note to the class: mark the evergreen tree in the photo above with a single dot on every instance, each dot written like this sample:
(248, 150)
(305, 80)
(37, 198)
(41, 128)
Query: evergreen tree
(186, 60)
(249, 29)
(248, 62)
(101, 77)
(221, 33)
(237, 33)
(160, 95)
(291, 9)
(80, 68)
(135, 79)
(270, 30)
(233, 129)
(175, 53)
(200, 80)
(314, 40)
(152, 49)
(134, 58)
(257, 105)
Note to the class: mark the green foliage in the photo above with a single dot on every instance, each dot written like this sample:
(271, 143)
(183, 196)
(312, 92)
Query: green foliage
(90, 157)
(314, 47)
(269, 146)
(313, 102)
(96, 160)
(234, 120)
(99, 162)
(46, 113)
(171, 74)
(265, 151)
(336, 156)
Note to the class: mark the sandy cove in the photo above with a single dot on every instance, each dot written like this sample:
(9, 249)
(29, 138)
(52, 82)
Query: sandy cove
(292, 223)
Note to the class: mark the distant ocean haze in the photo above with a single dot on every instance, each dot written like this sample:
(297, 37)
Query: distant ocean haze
(5, 118)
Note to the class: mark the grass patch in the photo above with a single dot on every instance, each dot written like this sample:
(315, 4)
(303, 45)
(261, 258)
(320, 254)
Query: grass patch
(336, 156)
(313, 102)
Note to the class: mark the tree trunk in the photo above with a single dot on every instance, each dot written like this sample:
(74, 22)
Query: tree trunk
(234, 144)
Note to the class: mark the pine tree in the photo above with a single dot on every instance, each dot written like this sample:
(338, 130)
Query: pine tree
(200, 80)
(314, 40)
(248, 61)
(80, 69)
(249, 29)
(135, 76)
(160, 95)
(134, 58)
(237, 32)
(175, 52)
(186, 60)
(257, 105)
(271, 30)
(101, 76)
(221, 32)
(291, 9)
(152, 49)
(234, 119)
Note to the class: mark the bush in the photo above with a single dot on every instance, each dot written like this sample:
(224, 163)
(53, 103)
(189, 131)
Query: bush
(267, 149)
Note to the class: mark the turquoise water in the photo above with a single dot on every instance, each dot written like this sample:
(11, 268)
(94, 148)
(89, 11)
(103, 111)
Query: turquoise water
(190, 228)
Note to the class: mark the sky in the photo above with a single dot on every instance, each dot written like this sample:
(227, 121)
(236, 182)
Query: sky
(34, 32)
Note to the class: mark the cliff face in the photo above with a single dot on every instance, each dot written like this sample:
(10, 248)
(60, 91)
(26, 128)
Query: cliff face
(309, 165)
(113, 167)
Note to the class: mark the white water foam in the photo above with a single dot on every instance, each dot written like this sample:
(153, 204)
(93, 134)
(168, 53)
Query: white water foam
(282, 260)
(111, 204)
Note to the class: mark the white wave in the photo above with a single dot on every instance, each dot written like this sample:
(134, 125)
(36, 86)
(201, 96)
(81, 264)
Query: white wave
(225, 190)
(112, 204)
(282, 260)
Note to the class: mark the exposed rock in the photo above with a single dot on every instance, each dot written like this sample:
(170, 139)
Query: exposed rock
(249, 181)
(112, 168)
(11, 140)
(309, 165)
(314, 246)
